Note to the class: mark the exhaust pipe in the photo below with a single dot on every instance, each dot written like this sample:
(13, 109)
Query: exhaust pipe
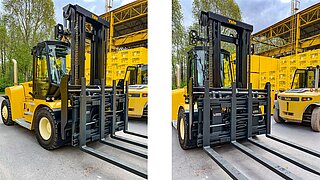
(178, 75)
(15, 72)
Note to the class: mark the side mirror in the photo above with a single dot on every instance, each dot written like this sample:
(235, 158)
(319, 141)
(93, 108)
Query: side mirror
(58, 31)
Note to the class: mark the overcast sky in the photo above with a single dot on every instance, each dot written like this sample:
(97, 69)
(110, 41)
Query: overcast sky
(96, 6)
(259, 13)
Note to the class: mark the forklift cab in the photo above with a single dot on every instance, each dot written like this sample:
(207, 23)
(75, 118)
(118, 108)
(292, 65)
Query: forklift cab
(198, 67)
(305, 78)
(135, 75)
(49, 65)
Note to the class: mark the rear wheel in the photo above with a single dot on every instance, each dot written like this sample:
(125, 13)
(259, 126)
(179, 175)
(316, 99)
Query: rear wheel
(183, 131)
(46, 129)
(315, 119)
(276, 116)
(6, 113)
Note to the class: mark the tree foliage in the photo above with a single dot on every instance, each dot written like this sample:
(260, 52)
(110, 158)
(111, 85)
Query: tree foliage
(228, 8)
(23, 24)
(178, 41)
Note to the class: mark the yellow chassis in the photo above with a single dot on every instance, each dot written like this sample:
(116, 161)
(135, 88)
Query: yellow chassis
(291, 107)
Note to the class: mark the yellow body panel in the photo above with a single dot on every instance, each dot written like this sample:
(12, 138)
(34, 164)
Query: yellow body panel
(21, 102)
(178, 101)
(293, 110)
(137, 101)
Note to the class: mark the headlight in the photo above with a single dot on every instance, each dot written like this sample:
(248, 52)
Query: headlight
(306, 99)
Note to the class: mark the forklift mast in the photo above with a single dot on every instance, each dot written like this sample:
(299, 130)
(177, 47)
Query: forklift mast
(213, 25)
(85, 27)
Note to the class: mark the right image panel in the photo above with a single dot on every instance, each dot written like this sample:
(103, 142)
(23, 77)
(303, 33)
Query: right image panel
(245, 89)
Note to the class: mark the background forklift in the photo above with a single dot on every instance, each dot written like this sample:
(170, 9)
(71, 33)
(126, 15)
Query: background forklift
(61, 107)
(137, 77)
(301, 103)
(212, 114)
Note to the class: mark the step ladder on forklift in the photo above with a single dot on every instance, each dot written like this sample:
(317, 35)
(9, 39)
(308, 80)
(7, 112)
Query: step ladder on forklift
(243, 124)
(109, 100)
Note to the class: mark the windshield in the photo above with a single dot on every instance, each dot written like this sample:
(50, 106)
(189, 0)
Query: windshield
(225, 68)
(58, 61)
(200, 59)
(143, 78)
(304, 79)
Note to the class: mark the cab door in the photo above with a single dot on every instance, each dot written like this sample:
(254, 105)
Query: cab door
(41, 80)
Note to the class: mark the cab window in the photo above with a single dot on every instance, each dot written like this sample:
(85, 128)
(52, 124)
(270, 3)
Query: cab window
(299, 79)
(200, 59)
(42, 67)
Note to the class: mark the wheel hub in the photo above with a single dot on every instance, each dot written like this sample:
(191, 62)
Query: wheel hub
(182, 128)
(45, 128)
(5, 113)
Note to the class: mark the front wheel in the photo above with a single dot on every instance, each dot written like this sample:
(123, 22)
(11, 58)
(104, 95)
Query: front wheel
(6, 113)
(46, 129)
(315, 119)
(183, 131)
(276, 116)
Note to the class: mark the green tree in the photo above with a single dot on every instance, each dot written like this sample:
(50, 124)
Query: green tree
(28, 22)
(178, 41)
(228, 8)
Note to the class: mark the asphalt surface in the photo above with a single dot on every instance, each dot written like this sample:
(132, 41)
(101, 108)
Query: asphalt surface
(21, 157)
(196, 164)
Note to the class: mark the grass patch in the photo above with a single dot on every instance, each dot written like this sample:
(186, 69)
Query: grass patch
(1, 93)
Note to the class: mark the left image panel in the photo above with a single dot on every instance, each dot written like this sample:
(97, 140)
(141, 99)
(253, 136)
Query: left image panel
(77, 103)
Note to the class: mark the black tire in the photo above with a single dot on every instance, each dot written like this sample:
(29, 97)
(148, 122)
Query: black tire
(276, 116)
(53, 141)
(8, 119)
(184, 141)
(315, 119)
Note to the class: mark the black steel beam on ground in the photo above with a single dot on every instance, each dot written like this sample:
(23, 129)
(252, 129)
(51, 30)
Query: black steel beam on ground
(224, 164)
(130, 141)
(265, 162)
(126, 149)
(114, 161)
(294, 161)
(294, 145)
(136, 134)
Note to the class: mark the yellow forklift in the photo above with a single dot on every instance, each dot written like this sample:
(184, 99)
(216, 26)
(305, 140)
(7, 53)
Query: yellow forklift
(137, 77)
(65, 109)
(211, 112)
(301, 103)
